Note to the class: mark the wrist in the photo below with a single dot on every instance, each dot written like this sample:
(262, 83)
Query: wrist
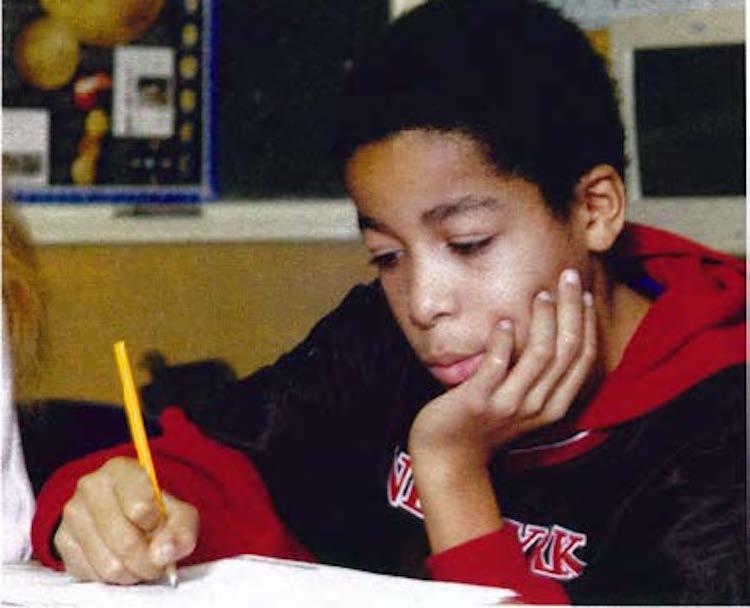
(448, 478)
(457, 498)
(447, 462)
(455, 449)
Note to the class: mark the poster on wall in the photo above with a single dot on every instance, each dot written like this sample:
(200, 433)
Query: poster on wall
(106, 101)
(26, 147)
(143, 86)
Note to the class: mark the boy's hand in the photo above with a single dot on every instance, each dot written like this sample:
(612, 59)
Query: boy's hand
(466, 425)
(111, 530)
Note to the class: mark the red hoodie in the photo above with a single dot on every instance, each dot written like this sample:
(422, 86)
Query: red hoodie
(700, 312)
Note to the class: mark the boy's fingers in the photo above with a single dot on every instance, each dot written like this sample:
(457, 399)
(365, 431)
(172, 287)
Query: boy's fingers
(176, 539)
(494, 365)
(572, 382)
(127, 541)
(106, 565)
(73, 556)
(568, 344)
(569, 317)
(134, 493)
(535, 358)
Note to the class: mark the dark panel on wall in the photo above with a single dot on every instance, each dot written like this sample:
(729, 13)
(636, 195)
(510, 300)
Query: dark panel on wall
(279, 65)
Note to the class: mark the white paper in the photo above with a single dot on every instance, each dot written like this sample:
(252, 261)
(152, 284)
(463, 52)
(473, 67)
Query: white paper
(245, 581)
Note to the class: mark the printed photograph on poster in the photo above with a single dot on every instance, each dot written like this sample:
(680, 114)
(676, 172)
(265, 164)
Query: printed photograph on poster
(143, 92)
(26, 141)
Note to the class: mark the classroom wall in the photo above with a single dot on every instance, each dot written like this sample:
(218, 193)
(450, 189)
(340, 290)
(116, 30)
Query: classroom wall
(244, 302)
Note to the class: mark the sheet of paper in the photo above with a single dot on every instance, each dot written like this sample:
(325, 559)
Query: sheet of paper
(245, 581)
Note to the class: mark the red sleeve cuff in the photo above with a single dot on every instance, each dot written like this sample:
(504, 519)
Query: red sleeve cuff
(496, 560)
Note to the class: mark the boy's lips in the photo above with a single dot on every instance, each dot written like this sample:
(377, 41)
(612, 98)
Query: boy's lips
(456, 371)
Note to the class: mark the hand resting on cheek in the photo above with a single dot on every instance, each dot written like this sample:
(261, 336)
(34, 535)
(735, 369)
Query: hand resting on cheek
(466, 425)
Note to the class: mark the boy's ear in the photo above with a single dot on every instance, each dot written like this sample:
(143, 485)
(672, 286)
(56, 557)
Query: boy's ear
(600, 201)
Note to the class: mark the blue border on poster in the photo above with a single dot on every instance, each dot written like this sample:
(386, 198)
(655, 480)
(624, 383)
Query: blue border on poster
(206, 191)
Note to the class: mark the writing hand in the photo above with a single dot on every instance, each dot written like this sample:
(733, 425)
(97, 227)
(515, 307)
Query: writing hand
(112, 530)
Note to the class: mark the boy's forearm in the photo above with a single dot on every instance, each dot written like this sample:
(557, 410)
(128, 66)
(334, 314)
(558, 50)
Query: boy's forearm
(458, 501)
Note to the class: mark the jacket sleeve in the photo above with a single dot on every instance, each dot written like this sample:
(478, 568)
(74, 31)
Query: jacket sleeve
(496, 560)
(236, 514)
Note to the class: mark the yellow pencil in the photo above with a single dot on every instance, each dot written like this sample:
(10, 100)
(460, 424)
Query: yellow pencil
(138, 434)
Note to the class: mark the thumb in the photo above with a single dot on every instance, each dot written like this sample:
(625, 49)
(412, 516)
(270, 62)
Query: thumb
(177, 537)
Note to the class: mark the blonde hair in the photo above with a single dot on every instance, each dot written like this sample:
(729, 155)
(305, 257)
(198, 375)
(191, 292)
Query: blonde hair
(23, 298)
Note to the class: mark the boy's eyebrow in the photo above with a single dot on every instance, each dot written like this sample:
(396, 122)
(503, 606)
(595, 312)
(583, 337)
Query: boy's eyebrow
(437, 214)
(463, 205)
(365, 222)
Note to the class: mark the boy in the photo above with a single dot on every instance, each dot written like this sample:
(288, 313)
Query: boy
(533, 394)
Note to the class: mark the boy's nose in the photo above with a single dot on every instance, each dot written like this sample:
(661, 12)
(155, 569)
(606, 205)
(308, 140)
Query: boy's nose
(431, 295)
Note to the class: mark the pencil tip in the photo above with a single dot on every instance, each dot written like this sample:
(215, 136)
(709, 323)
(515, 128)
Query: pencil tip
(172, 575)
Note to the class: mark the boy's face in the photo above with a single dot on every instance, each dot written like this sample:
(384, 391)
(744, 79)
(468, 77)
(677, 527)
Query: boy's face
(458, 246)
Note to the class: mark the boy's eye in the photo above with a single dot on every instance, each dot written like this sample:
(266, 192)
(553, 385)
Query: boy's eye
(471, 246)
(384, 261)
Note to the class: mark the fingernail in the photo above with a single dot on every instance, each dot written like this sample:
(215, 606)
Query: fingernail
(545, 296)
(571, 276)
(163, 554)
(506, 325)
(588, 299)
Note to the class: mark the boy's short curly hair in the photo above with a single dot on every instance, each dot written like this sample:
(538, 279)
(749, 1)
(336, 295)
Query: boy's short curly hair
(513, 74)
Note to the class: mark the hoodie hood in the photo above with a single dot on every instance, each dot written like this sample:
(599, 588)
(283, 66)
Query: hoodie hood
(694, 328)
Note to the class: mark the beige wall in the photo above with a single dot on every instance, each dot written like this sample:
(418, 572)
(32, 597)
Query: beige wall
(245, 303)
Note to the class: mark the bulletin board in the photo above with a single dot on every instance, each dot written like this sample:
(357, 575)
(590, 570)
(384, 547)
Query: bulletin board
(108, 101)
(199, 100)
